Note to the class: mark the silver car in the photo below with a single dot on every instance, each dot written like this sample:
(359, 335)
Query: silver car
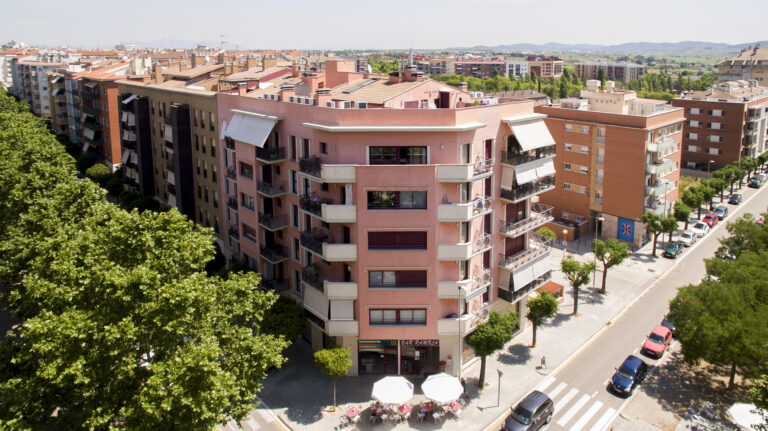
(700, 229)
(687, 238)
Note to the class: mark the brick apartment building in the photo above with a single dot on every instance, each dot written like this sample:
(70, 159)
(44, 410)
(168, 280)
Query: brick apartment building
(724, 123)
(621, 71)
(545, 67)
(397, 227)
(618, 156)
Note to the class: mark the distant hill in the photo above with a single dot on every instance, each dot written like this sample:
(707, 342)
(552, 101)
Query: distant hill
(668, 48)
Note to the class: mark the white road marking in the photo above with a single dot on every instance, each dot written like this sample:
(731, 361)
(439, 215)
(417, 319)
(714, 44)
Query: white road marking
(635, 351)
(593, 395)
(557, 390)
(559, 404)
(604, 420)
(573, 410)
(607, 381)
(587, 416)
(545, 384)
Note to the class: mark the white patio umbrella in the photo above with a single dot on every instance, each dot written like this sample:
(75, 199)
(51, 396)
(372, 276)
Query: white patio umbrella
(392, 390)
(442, 388)
(741, 414)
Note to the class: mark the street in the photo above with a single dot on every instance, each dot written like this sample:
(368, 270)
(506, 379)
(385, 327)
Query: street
(579, 387)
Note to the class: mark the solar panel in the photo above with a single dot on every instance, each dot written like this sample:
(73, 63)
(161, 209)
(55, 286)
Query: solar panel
(360, 85)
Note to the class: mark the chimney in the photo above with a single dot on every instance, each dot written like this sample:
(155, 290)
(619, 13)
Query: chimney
(295, 71)
(269, 62)
(242, 89)
(609, 86)
(229, 68)
(158, 74)
(323, 95)
(251, 61)
(196, 60)
(286, 91)
(394, 77)
(463, 86)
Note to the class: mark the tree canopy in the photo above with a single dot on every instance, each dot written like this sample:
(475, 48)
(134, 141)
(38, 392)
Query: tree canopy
(490, 336)
(577, 274)
(335, 363)
(540, 308)
(611, 253)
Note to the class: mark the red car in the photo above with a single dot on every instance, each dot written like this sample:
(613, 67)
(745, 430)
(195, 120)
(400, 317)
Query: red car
(658, 341)
(710, 219)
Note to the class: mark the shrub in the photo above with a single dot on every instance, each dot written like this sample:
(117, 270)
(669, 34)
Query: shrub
(98, 173)
(144, 203)
(85, 161)
(114, 186)
(128, 196)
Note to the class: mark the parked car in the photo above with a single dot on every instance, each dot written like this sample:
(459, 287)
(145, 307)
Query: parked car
(760, 222)
(700, 228)
(630, 374)
(710, 219)
(755, 182)
(532, 413)
(669, 324)
(688, 238)
(735, 199)
(721, 211)
(673, 249)
(658, 341)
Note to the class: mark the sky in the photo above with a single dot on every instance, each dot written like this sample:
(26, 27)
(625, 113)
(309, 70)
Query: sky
(365, 24)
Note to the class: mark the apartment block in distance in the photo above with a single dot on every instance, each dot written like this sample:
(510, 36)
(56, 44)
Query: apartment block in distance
(545, 67)
(614, 71)
(751, 64)
(724, 123)
(398, 227)
(58, 102)
(170, 137)
(618, 156)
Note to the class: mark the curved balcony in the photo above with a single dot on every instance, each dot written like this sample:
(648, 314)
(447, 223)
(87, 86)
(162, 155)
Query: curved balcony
(319, 242)
(460, 173)
(468, 288)
(459, 212)
(539, 215)
(527, 190)
(464, 251)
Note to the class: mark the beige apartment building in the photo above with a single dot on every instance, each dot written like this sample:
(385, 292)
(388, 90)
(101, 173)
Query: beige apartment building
(750, 64)
(58, 102)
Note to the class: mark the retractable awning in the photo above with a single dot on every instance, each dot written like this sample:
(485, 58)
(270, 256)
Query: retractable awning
(57, 91)
(129, 99)
(523, 276)
(532, 135)
(250, 129)
(545, 169)
(89, 133)
(124, 118)
(525, 173)
(126, 154)
(55, 79)
(86, 146)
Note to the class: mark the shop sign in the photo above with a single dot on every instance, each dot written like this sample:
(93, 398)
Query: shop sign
(377, 343)
(420, 343)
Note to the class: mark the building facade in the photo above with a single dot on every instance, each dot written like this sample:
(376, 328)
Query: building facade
(618, 156)
(723, 124)
(749, 64)
(545, 67)
(516, 68)
(614, 71)
(397, 227)
(58, 97)
(32, 77)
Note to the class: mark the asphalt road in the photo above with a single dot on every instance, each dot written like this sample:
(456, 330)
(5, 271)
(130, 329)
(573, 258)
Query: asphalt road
(579, 387)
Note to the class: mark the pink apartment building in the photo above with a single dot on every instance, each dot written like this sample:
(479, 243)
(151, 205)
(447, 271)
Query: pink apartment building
(394, 208)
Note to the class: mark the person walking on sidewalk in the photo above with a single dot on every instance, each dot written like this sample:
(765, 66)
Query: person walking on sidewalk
(543, 362)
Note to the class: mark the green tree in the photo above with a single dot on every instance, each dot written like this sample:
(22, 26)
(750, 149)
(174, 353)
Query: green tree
(577, 274)
(285, 318)
(722, 323)
(707, 192)
(114, 186)
(718, 185)
(546, 233)
(762, 159)
(749, 164)
(491, 336)
(601, 77)
(540, 308)
(653, 226)
(611, 253)
(759, 397)
(744, 235)
(682, 213)
(725, 174)
(98, 173)
(669, 225)
(335, 363)
(693, 198)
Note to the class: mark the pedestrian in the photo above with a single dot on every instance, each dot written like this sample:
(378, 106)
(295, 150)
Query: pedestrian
(543, 362)
(464, 388)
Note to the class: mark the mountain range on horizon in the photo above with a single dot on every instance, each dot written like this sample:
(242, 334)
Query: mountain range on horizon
(684, 47)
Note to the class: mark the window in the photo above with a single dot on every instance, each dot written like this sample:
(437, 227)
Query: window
(715, 138)
(397, 240)
(694, 123)
(692, 148)
(569, 127)
(294, 183)
(323, 148)
(413, 316)
(202, 119)
(293, 147)
(398, 155)
(196, 117)
(214, 175)
(714, 151)
(694, 111)
(715, 126)
(197, 143)
(716, 112)
(246, 170)
(583, 149)
(566, 166)
(583, 170)
(247, 201)
(584, 129)
(212, 123)
(397, 200)
(568, 147)
(295, 216)
(296, 282)
(205, 169)
(249, 233)
(693, 136)
(215, 199)
(397, 279)
(296, 250)
(566, 186)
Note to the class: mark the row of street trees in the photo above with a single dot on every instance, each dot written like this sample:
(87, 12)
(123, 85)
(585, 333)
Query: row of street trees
(121, 327)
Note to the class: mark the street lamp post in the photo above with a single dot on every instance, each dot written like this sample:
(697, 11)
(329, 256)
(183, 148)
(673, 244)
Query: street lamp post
(498, 393)
(460, 355)
(565, 242)
(594, 255)
(709, 164)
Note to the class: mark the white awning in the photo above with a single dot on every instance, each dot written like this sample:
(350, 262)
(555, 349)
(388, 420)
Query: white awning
(57, 91)
(541, 265)
(91, 84)
(250, 129)
(525, 173)
(507, 177)
(55, 79)
(342, 309)
(545, 169)
(316, 302)
(532, 135)
(88, 133)
(129, 99)
(523, 275)
(86, 146)
(476, 293)
(124, 117)
(223, 128)
(134, 158)
(125, 156)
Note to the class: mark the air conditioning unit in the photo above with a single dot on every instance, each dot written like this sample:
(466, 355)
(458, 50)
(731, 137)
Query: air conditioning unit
(361, 105)
(329, 104)
(309, 101)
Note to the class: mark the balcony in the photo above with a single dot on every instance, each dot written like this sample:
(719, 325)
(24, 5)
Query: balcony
(464, 172)
(659, 166)
(232, 203)
(659, 188)
(464, 251)
(274, 254)
(171, 177)
(311, 204)
(513, 296)
(527, 190)
(535, 249)
(467, 322)
(318, 241)
(273, 222)
(312, 276)
(234, 233)
(539, 215)
(661, 145)
(276, 286)
(313, 166)
(469, 287)
(465, 211)
(518, 158)
(339, 328)
(231, 173)
(660, 207)
(270, 189)
(338, 213)
(271, 154)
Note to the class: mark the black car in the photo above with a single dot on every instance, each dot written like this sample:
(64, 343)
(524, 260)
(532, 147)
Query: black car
(755, 182)
(735, 199)
(669, 324)
(626, 378)
(532, 413)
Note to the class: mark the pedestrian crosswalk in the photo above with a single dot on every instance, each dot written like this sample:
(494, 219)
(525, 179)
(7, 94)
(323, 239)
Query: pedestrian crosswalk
(575, 410)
